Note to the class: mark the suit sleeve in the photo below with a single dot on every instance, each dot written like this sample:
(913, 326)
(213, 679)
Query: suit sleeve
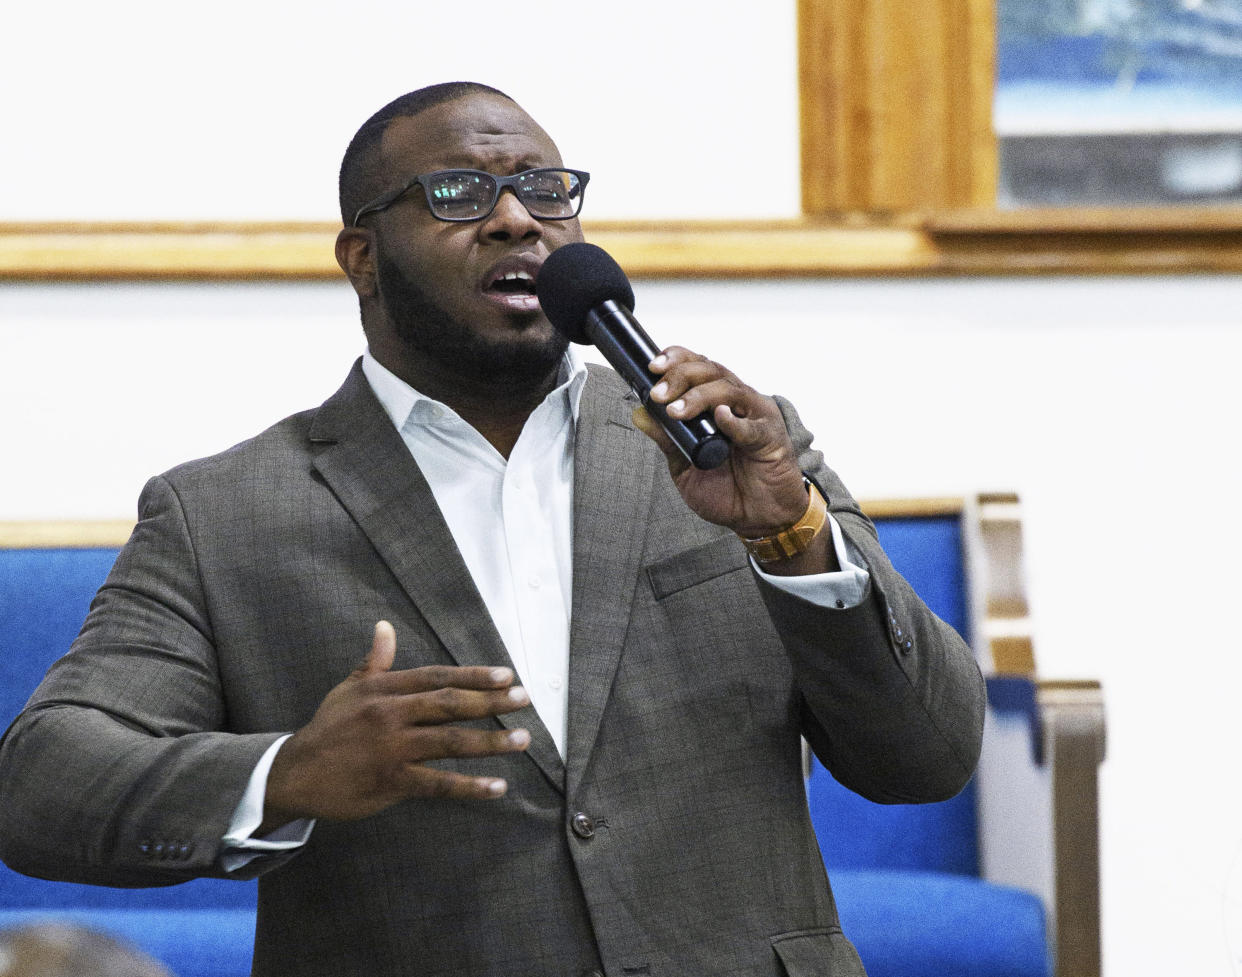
(119, 771)
(893, 702)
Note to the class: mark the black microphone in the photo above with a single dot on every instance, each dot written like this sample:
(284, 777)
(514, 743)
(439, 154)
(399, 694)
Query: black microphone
(585, 295)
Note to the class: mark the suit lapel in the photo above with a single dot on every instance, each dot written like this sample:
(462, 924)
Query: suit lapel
(613, 467)
(368, 466)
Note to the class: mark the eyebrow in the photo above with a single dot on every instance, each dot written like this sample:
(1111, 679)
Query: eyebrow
(520, 167)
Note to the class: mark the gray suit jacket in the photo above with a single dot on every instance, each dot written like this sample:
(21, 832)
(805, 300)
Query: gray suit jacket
(250, 588)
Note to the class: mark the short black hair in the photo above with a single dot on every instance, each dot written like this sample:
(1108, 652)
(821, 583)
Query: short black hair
(361, 176)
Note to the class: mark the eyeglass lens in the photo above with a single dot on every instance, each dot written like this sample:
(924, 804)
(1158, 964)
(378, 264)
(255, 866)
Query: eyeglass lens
(464, 195)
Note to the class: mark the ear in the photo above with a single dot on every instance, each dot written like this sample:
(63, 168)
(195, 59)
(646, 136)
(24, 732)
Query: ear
(355, 253)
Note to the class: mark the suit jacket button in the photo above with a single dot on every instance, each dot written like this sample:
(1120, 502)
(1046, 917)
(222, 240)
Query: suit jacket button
(583, 826)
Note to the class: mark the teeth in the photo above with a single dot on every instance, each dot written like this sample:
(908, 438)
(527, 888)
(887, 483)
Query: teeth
(516, 276)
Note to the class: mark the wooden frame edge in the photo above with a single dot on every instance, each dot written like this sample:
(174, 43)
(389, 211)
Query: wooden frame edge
(63, 533)
(90, 533)
(913, 508)
(950, 243)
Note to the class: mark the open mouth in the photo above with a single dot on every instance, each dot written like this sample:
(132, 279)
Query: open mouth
(514, 283)
(514, 290)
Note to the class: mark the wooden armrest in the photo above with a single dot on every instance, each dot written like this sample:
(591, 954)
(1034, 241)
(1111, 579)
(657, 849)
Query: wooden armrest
(1039, 806)
(1072, 715)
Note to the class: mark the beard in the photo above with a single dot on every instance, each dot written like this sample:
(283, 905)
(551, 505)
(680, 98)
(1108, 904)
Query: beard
(433, 333)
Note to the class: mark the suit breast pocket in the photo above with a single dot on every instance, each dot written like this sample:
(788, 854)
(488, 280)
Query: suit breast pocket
(704, 563)
(707, 618)
(817, 953)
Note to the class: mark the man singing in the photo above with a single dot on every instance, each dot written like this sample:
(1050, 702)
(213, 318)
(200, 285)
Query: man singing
(467, 664)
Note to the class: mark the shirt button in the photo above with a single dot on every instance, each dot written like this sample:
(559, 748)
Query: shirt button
(583, 826)
(534, 582)
(555, 684)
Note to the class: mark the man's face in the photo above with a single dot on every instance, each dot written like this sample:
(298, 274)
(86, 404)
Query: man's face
(443, 284)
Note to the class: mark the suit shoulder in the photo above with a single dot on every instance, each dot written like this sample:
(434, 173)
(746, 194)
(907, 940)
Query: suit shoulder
(278, 445)
(606, 380)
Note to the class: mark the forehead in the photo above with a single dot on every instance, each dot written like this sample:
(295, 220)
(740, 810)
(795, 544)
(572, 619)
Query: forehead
(478, 131)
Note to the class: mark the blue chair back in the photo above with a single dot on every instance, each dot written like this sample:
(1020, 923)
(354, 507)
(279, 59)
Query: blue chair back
(44, 596)
(46, 593)
(857, 834)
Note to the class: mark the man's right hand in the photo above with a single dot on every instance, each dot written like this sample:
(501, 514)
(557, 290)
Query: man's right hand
(367, 745)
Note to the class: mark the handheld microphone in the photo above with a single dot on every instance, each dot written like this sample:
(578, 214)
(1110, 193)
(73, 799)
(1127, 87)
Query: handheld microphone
(585, 295)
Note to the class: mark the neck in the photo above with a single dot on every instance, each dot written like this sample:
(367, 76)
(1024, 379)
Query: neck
(496, 407)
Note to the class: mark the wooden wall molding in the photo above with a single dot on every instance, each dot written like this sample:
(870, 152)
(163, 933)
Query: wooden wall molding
(90, 533)
(946, 243)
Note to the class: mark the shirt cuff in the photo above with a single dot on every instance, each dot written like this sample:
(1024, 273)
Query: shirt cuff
(840, 589)
(240, 845)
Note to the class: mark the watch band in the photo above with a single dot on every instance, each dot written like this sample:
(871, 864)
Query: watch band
(792, 541)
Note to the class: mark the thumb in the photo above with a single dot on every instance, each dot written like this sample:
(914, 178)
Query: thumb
(383, 651)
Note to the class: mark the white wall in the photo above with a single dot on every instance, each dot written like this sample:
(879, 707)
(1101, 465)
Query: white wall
(140, 109)
(1110, 404)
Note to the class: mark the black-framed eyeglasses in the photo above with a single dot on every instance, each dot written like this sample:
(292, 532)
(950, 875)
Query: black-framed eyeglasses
(469, 195)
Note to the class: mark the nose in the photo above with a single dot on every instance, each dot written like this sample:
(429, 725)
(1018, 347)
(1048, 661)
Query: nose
(510, 220)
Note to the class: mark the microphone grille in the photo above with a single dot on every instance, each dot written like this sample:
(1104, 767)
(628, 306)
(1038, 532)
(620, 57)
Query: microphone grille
(576, 278)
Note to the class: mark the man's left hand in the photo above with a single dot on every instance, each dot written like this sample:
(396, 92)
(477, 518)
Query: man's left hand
(758, 491)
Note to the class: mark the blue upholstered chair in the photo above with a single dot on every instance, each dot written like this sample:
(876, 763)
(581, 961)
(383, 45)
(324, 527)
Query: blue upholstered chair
(1001, 881)
(203, 928)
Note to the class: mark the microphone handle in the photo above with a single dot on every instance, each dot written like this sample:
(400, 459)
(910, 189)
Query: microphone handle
(612, 328)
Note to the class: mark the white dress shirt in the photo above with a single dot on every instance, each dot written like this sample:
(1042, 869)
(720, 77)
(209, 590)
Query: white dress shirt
(512, 520)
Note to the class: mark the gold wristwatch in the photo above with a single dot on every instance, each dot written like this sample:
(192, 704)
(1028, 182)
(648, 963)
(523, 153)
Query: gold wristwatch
(792, 541)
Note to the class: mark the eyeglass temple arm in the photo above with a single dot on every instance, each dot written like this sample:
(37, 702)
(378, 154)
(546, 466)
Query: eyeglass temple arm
(382, 201)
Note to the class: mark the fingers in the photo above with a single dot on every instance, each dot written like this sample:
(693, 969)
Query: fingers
(451, 705)
(416, 779)
(429, 678)
(436, 694)
(377, 668)
(369, 743)
(691, 384)
(421, 743)
(455, 742)
(428, 782)
(383, 650)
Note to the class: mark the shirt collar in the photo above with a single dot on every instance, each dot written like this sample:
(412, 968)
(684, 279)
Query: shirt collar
(400, 400)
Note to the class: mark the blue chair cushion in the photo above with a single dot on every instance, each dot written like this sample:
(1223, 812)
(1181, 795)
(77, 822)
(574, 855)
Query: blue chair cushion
(930, 924)
(855, 833)
(203, 928)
